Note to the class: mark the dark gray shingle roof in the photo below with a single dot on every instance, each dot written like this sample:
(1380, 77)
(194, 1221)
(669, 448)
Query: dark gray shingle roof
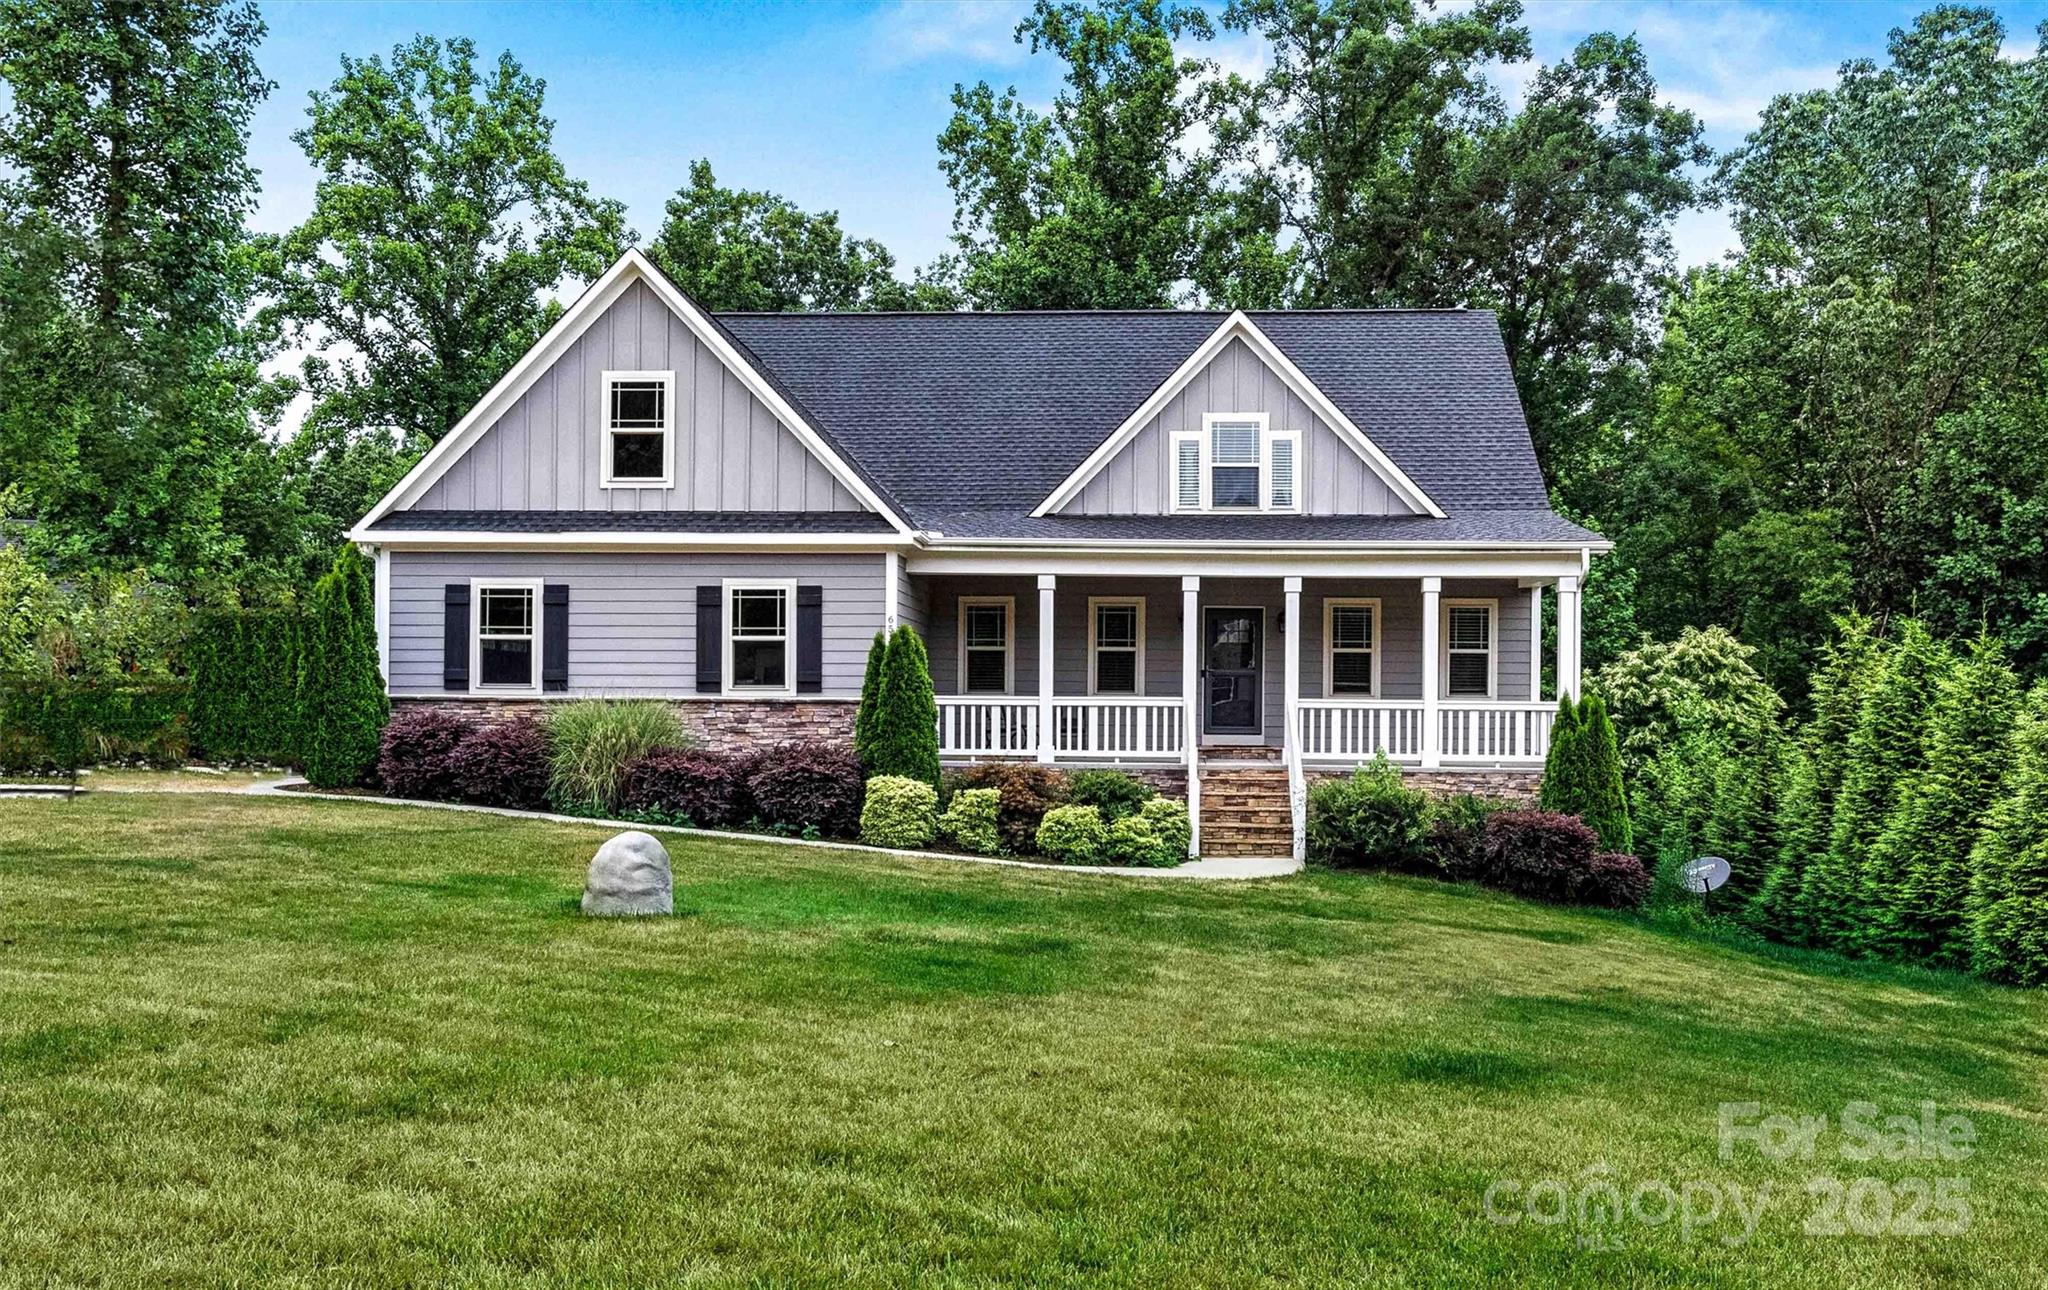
(635, 522)
(968, 420)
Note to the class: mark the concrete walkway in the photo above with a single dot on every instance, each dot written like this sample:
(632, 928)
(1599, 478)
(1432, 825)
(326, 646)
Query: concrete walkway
(1226, 868)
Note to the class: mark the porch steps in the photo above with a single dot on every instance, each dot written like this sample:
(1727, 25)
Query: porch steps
(1245, 812)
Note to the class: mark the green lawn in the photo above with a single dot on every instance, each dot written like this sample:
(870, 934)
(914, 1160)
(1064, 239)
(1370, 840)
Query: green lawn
(293, 1042)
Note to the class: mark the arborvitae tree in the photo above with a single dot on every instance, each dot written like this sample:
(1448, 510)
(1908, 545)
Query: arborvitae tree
(1799, 831)
(866, 717)
(1885, 754)
(1741, 823)
(2007, 908)
(1563, 787)
(1812, 775)
(907, 722)
(1850, 668)
(1917, 875)
(341, 692)
(1605, 806)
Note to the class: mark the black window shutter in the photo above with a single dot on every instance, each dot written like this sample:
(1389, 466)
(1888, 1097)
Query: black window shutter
(455, 636)
(710, 639)
(810, 640)
(554, 636)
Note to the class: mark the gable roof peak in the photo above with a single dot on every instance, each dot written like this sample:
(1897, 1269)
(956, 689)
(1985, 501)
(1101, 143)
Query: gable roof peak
(1239, 326)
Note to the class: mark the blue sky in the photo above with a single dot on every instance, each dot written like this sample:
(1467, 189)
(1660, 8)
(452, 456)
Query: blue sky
(837, 105)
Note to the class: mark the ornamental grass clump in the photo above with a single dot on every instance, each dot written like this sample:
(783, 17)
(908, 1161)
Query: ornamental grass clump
(593, 742)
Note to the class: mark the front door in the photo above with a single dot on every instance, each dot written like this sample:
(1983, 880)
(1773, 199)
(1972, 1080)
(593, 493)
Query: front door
(1231, 658)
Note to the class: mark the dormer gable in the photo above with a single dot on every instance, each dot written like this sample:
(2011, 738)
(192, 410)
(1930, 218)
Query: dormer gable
(1238, 429)
(635, 400)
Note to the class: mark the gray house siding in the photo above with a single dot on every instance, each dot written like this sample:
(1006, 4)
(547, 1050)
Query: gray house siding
(632, 617)
(1401, 631)
(913, 603)
(731, 454)
(1335, 480)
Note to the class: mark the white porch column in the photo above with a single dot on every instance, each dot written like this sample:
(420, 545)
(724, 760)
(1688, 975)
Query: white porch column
(1045, 739)
(1568, 636)
(1191, 699)
(1432, 683)
(1290, 640)
(1536, 643)
(892, 590)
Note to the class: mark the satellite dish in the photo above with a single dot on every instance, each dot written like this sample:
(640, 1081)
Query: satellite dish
(1705, 874)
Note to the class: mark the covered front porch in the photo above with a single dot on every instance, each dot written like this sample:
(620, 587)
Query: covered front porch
(1319, 670)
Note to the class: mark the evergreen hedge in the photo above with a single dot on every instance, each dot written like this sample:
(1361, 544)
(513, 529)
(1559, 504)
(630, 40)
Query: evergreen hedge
(245, 685)
(342, 705)
(905, 734)
(1917, 874)
(2007, 907)
(1885, 754)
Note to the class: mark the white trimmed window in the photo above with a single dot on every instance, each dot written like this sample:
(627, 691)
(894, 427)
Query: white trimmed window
(1116, 646)
(638, 418)
(760, 648)
(504, 638)
(1351, 648)
(987, 638)
(1236, 464)
(1469, 635)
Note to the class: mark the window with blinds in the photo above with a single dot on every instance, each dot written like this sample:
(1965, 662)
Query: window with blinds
(1234, 455)
(1468, 646)
(1236, 463)
(1118, 646)
(985, 646)
(1351, 648)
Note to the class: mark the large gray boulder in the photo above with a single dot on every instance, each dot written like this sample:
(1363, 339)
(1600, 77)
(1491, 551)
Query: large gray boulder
(629, 875)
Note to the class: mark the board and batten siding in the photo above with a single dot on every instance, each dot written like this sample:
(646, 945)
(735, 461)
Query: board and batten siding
(1335, 480)
(632, 616)
(731, 453)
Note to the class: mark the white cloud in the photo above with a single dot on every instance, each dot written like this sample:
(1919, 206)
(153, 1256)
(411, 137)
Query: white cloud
(982, 30)
(1703, 237)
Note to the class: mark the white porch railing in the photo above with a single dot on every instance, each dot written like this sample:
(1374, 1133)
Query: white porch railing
(1352, 730)
(1508, 732)
(1119, 727)
(1355, 729)
(987, 727)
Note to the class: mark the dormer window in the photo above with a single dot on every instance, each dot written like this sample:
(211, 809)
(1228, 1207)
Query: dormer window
(639, 450)
(1236, 463)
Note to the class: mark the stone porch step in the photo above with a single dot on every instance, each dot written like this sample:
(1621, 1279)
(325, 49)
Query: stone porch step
(1245, 812)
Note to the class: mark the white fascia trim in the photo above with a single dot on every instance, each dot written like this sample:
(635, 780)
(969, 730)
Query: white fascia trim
(1008, 545)
(490, 540)
(628, 268)
(1240, 327)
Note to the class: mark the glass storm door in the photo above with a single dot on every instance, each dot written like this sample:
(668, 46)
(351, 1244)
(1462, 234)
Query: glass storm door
(1230, 662)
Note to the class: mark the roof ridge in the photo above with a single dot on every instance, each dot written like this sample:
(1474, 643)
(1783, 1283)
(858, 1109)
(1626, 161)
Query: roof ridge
(1324, 311)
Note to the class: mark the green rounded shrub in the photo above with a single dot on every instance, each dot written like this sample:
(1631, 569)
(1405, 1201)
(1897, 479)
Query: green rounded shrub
(970, 820)
(1137, 840)
(1368, 819)
(899, 812)
(1168, 817)
(1073, 835)
(1112, 792)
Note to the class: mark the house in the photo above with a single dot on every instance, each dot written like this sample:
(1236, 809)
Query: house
(1229, 551)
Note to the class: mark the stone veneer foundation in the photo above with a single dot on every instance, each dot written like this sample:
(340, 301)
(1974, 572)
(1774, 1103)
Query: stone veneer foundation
(1517, 786)
(718, 723)
(763, 723)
